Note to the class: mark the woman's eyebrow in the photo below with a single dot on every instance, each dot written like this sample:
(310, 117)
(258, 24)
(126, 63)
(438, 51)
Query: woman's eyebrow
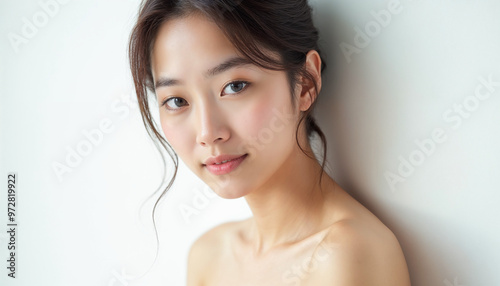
(220, 68)
(228, 64)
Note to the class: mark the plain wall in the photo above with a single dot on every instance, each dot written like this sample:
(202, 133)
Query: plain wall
(84, 223)
(414, 132)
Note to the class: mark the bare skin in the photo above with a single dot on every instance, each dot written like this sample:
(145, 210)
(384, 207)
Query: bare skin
(302, 232)
(349, 246)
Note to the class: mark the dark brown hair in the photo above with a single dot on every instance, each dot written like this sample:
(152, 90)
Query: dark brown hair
(284, 27)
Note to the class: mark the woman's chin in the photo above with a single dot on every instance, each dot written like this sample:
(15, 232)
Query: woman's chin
(229, 192)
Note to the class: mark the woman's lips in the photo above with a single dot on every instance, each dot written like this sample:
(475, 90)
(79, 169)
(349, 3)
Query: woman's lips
(225, 168)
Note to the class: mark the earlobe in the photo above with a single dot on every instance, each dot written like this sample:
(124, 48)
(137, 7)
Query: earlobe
(308, 93)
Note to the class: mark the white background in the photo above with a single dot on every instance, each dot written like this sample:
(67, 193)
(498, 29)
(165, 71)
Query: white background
(87, 227)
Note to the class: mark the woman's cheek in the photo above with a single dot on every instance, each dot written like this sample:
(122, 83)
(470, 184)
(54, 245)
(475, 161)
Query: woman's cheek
(176, 136)
(254, 124)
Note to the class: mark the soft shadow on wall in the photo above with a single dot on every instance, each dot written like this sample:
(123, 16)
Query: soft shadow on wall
(409, 106)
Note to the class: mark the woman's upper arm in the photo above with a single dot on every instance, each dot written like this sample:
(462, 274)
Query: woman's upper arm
(195, 267)
(359, 258)
(203, 255)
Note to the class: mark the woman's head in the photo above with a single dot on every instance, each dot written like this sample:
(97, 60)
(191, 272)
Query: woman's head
(231, 77)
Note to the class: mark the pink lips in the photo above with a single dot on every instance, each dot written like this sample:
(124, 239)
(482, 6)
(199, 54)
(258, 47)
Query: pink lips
(224, 168)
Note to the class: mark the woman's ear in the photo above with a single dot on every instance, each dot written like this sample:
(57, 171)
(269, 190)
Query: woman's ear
(308, 92)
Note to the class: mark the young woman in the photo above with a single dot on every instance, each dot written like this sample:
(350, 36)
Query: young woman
(236, 83)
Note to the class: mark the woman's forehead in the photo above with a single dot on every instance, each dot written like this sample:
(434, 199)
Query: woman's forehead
(190, 39)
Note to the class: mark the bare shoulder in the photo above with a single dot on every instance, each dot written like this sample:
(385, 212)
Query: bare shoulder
(206, 250)
(359, 251)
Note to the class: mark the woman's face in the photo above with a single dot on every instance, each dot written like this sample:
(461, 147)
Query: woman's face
(211, 104)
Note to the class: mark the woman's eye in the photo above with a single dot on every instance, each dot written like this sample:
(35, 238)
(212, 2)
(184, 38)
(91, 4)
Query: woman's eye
(235, 87)
(174, 103)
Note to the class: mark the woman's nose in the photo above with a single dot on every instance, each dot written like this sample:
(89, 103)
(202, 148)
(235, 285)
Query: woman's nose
(211, 126)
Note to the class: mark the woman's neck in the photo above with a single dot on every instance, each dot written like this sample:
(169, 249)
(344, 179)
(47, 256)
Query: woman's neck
(291, 207)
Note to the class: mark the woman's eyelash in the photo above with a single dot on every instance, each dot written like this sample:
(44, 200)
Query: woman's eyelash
(164, 102)
(244, 83)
